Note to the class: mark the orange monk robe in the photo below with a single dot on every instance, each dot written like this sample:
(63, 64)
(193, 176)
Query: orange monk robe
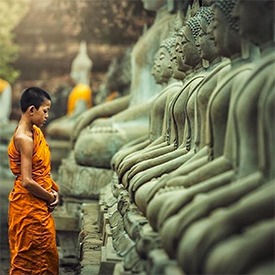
(79, 92)
(32, 236)
(3, 85)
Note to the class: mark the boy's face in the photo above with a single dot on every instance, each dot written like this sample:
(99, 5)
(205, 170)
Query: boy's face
(41, 115)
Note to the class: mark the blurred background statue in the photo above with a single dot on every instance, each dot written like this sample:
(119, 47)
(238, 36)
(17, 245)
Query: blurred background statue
(7, 126)
(5, 101)
(80, 99)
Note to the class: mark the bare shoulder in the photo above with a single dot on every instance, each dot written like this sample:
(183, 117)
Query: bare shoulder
(23, 141)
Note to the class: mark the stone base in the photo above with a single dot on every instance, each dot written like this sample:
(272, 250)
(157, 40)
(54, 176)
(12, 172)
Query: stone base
(109, 258)
(67, 224)
(77, 217)
(59, 150)
(81, 182)
(90, 240)
(159, 263)
(67, 242)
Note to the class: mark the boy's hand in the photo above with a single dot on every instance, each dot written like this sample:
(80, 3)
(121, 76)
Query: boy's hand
(52, 205)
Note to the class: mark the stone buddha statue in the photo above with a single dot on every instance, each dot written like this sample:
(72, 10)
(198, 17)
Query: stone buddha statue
(163, 153)
(208, 84)
(80, 98)
(157, 127)
(163, 73)
(229, 212)
(7, 126)
(222, 226)
(162, 103)
(59, 130)
(5, 101)
(219, 169)
(227, 223)
(255, 244)
(213, 221)
(133, 121)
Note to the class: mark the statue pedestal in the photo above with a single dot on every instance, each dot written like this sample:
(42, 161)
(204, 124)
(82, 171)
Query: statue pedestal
(81, 182)
(79, 185)
(59, 151)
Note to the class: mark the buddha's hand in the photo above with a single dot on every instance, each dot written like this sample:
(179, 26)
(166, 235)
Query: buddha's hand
(161, 183)
(176, 181)
(80, 123)
(53, 204)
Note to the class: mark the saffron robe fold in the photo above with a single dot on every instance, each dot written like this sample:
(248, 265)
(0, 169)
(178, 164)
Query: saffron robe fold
(32, 236)
(79, 92)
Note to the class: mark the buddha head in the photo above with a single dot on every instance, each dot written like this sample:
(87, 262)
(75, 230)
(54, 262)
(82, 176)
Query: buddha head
(226, 28)
(190, 51)
(155, 71)
(167, 50)
(179, 53)
(81, 66)
(208, 50)
(162, 69)
(177, 73)
(187, 53)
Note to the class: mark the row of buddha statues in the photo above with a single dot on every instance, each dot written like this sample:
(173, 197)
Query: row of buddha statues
(189, 156)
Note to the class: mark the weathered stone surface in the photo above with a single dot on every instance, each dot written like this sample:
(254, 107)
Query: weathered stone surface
(159, 263)
(90, 240)
(81, 181)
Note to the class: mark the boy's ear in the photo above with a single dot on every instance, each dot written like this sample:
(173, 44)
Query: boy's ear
(31, 109)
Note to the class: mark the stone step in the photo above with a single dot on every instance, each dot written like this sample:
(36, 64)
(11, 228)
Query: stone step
(63, 223)
(90, 239)
(109, 258)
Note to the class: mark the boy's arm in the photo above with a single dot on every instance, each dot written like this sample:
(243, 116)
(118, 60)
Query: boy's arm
(24, 145)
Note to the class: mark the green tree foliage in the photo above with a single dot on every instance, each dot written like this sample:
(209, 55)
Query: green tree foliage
(109, 21)
(11, 12)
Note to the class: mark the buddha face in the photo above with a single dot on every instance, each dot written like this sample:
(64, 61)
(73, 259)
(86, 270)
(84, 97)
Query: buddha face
(206, 41)
(183, 50)
(155, 71)
(220, 28)
(162, 70)
(177, 74)
(179, 54)
(165, 64)
(153, 5)
(197, 41)
(190, 52)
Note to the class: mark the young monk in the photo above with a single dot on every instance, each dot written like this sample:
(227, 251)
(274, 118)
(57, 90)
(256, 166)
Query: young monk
(34, 195)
